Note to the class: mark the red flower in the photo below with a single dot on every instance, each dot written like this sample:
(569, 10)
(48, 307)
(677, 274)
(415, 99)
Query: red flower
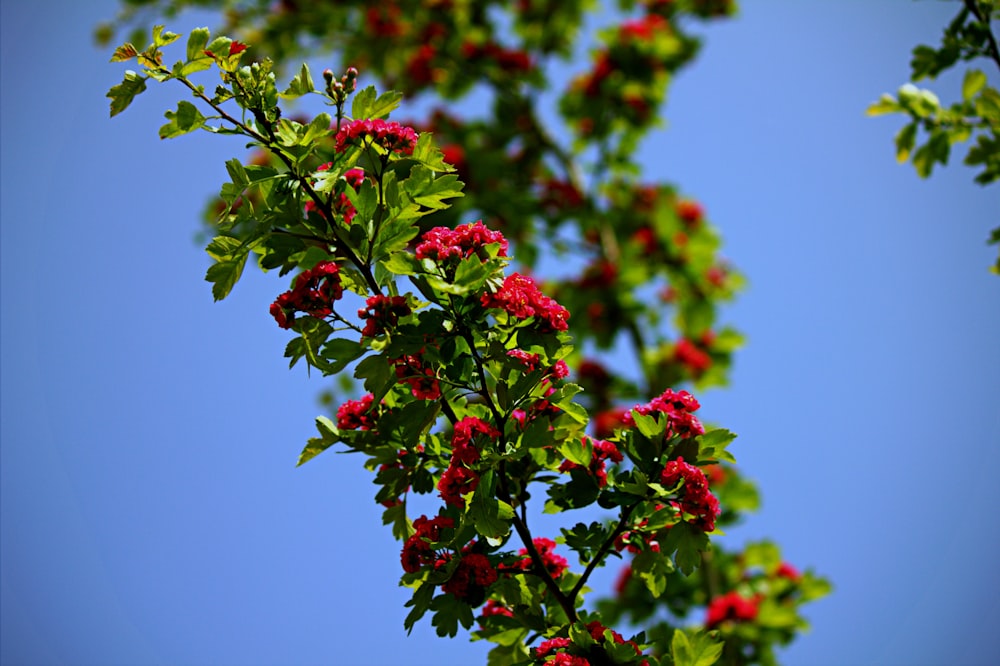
(237, 47)
(456, 481)
(520, 297)
(423, 382)
(444, 245)
(732, 607)
(417, 551)
(696, 360)
(382, 313)
(356, 414)
(694, 497)
(313, 292)
(556, 565)
(786, 570)
(390, 135)
(689, 211)
(471, 578)
(678, 407)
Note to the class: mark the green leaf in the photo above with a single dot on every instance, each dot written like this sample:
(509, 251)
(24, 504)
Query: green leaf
(420, 602)
(429, 191)
(395, 515)
(449, 611)
(122, 94)
(402, 263)
(576, 451)
(490, 516)
(385, 103)
(329, 435)
(320, 126)
(653, 568)
(712, 445)
(340, 352)
(225, 274)
(186, 119)
(161, 38)
(886, 104)
(196, 43)
(363, 101)
(689, 542)
(377, 374)
(300, 85)
(904, 142)
(427, 154)
(974, 81)
(223, 247)
(694, 648)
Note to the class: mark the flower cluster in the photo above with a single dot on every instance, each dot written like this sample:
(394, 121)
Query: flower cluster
(387, 134)
(511, 61)
(678, 407)
(313, 292)
(556, 565)
(417, 550)
(601, 452)
(732, 607)
(443, 244)
(471, 577)
(459, 479)
(695, 359)
(520, 297)
(357, 414)
(382, 312)
(694, 497)
(421, 377)
(560, 650)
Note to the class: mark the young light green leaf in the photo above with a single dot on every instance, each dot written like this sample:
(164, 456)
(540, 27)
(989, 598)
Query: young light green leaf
(300, 85)
(161, 38)
(974, 81)
(694, 648)
(362, 104)
(196, 43)
(385, 103)
(185, 119)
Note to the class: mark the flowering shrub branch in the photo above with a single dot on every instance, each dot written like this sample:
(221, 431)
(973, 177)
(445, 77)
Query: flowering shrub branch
(474, 391)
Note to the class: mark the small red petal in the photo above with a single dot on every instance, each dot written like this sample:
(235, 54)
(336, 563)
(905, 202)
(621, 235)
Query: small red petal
(237, 47)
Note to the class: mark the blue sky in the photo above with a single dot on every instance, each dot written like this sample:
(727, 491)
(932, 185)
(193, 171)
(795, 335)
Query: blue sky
(150, 510)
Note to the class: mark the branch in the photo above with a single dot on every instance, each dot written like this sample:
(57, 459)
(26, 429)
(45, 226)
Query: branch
(991, 42)
(565, 602)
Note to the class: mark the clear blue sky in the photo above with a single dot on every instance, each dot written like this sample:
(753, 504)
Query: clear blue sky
(151, 510)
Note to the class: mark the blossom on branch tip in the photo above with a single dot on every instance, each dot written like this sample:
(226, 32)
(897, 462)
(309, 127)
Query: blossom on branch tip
(443, 244)
(694, 497)
(388, 134)
(677, 406)
(313, 292)
(520, 298)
